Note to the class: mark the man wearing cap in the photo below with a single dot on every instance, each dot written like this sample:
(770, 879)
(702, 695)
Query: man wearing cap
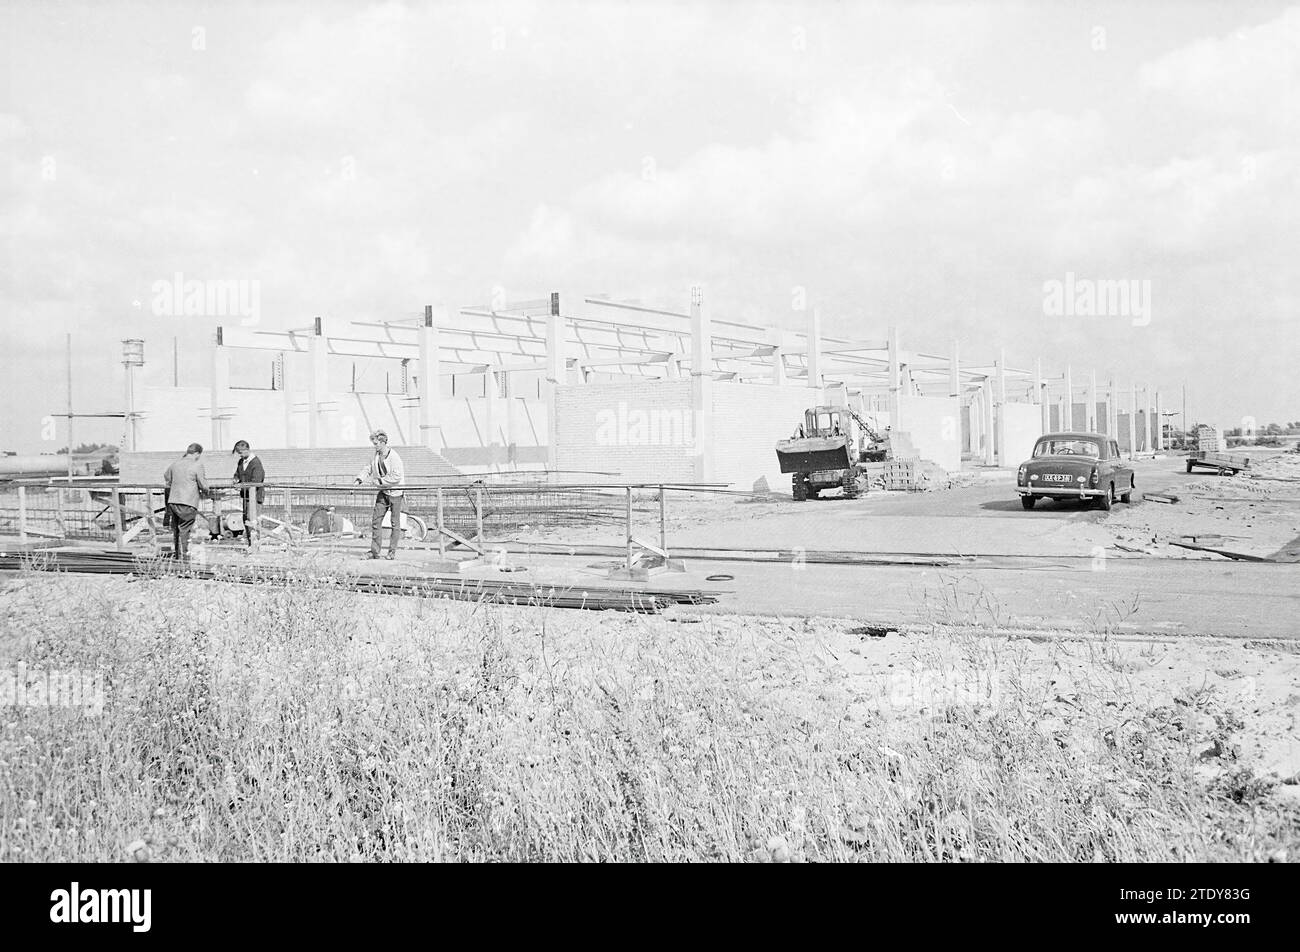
(385, 471)
(249, 470)
(186, 482)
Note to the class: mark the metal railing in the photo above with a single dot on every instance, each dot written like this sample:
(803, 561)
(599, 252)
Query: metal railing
(464, 514)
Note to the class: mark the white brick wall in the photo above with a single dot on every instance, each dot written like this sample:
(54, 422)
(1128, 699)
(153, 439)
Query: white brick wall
(641, 430)
(748, 419)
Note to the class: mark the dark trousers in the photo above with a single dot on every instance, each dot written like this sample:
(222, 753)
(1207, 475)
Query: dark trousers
(182, 518)
(385, 503)
(250, 527)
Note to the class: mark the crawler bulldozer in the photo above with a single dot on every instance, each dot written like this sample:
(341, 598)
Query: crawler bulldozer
(828, 451)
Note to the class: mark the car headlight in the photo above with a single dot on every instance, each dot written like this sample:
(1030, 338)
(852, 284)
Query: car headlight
(1092, 480)
(1020, 476)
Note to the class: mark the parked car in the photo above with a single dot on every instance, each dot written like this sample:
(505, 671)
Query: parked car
(1075, 466)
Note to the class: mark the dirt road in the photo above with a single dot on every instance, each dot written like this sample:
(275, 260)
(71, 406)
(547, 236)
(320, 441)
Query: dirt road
(1132, 596)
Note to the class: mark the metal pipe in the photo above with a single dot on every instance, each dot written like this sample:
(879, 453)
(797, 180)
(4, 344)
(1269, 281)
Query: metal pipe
(22, 514)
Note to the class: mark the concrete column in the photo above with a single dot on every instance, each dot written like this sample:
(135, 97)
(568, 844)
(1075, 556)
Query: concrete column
(1068, 419)
(428, 384)
(1092, 403)
(1153, 421)
(1112, 410)
(1132, 421)
(286, 391)
(317, 385)
(702, 379)
(556, 371)
(815, 350)
(493, 418)
(777, 338)
(1160, 424)
(895, 379)
(1042, 397)
(986, 395)
(1002, 404)
(220, 391)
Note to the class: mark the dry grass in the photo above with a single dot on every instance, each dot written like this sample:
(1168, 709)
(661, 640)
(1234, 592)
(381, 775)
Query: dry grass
(251, 723)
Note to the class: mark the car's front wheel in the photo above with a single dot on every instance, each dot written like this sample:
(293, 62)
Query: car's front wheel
(1028, 501)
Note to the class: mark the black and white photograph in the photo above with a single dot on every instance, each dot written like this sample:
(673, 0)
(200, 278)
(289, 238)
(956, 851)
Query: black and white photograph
(647, 432)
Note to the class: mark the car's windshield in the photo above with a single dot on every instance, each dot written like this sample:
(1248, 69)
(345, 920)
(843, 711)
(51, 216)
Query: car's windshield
(1067, 448)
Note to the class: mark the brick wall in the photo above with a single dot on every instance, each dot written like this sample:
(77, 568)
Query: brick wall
(173, 417)
(748, 419)
(933, 424)
(640, 430)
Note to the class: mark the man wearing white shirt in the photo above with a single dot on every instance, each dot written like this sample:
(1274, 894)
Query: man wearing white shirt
(385, 471)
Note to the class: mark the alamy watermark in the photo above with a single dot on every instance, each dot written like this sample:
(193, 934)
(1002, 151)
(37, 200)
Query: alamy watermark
(74, 689)
(1085, 297)
(223, 298)
(634, 426)
(933, 689)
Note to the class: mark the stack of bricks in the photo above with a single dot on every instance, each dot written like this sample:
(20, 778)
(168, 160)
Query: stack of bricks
(900, 475)
(1209, 439)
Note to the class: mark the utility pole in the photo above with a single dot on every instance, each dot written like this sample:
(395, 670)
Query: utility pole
(69, 406)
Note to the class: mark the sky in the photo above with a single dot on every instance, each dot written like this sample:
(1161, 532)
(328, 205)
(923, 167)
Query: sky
(934, 166)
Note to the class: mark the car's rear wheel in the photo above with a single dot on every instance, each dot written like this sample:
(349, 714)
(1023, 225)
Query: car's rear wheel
(1128, 496)
(1028, 501)
(1189, 466)
(1107, 499)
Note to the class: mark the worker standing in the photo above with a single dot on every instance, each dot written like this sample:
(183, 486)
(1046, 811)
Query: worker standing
(385, 471)
(186, 483)
(249, 469)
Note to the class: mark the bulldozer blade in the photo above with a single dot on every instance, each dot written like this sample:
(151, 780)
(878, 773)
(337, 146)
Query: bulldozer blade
(812, 455)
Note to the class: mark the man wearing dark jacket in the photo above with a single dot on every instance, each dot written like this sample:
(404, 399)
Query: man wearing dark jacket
(249, 470)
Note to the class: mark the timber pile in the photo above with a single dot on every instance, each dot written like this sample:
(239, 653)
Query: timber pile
(584, 596)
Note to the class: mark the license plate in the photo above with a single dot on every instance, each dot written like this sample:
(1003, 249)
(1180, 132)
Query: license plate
(1058, 478)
